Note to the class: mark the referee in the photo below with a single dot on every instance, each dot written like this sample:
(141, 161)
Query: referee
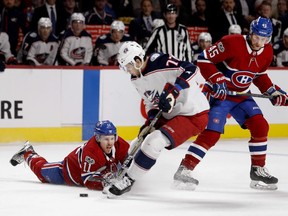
(171, 38)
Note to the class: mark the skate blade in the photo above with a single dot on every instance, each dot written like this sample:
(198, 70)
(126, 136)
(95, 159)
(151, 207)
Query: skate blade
(258, 185)
(178, 185)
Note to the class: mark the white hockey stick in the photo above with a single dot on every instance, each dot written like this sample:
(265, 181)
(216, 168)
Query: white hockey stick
(234, 93)
(137, 145)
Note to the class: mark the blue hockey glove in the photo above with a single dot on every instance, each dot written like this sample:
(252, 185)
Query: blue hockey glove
(280, 97)
(219, 86)
(168, 97)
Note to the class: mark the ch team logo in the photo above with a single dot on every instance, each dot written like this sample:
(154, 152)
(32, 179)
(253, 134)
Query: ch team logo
(242, 79)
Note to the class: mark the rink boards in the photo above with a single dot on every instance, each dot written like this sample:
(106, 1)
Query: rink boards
(59, 104)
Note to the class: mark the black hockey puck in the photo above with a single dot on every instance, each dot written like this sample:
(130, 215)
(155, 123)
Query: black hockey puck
(83, 195)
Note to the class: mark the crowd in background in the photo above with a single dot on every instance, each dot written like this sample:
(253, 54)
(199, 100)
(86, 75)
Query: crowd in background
(158, 25)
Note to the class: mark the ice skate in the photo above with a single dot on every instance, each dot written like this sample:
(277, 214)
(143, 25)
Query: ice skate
(120, 186)
(18, 158)
(183, 179)
(261, 179)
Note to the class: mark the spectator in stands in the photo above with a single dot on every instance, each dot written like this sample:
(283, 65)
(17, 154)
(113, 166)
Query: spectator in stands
(108, 45)
(52, 11)
(40, 47)
(265, 10)
(234, 29)
(5, 51)
(199, 18)
(76, 46)
(172, 38)
(137, 7)
(29, 8)
(122, 8)
(140, 29)
(280, 49)
(98, 15)
(284, 15)
(219, 25)
(282, 8)
(246, 8)
(12, 20)
(204, 40)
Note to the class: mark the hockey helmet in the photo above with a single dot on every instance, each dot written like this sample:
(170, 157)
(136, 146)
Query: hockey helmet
(171, 8)
(104, 128)
(117, 25)
(205, 36)
(44, 22)
(127, 53)
(285, 33)
(77, 17)
(235, 29)
(262, 27)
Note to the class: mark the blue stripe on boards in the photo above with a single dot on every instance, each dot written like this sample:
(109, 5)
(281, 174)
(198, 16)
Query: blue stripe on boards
(91, 90)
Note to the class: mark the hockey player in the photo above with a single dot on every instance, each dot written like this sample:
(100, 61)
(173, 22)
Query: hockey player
(6, 57)
(91, 165)
(39, 48)
(233, 64)
(234, 29)
(280, 49)
(164, 83)
(204, 40)
(108, 45)
(76, 45)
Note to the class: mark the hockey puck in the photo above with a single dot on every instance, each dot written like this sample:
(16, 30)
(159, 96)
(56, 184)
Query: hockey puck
(83, 195)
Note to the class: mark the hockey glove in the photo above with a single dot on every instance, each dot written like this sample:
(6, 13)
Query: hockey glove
(12, 61)
(280, 97)
(168, 98)
(2, 66)
(219, 86)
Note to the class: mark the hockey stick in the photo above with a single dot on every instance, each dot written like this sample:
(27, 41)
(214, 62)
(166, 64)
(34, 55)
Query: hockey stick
(137, 145)
(234, 93)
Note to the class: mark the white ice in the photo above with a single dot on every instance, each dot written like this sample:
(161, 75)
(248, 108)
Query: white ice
(223, 190)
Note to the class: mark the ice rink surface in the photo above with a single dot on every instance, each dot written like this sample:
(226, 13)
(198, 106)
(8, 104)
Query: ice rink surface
(223, 190)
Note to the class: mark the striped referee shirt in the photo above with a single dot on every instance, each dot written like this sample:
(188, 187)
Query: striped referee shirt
(174, 41)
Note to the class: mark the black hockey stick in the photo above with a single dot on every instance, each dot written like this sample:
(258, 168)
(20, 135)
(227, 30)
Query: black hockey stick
(137, 145)
(234, 93)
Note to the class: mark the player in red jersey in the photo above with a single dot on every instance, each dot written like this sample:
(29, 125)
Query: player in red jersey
(233, 64)
(91, 165)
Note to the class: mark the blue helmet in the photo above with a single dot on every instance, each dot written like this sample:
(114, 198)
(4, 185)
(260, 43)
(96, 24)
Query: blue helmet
(262, 27)
(104, 128)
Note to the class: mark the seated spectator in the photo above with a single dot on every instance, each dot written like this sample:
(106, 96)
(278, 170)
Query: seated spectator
(39, 48)
(5, 52)
(12, 20)
(280, 49)
(234, 29)
(76, 45)
(140, 29)
(204, 41)
(227, 16)
(199, 17)
(108, 45)
(98, 15)
(171, 38)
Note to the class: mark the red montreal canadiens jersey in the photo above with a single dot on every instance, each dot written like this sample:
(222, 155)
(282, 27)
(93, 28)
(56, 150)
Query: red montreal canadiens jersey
(240, 65)
(81, 163)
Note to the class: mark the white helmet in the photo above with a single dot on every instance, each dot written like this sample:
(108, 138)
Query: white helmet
(205, 36)
(235, 29)
(117, 25)
(127, 53)
(44, 21)
(77, 17)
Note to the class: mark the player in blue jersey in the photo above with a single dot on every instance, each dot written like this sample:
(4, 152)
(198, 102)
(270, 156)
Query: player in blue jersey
(164, 83)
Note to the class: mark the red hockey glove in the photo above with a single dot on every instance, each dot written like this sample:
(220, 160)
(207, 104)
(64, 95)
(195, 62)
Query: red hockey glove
(218, 85)
(280, 97)
(168, 97)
